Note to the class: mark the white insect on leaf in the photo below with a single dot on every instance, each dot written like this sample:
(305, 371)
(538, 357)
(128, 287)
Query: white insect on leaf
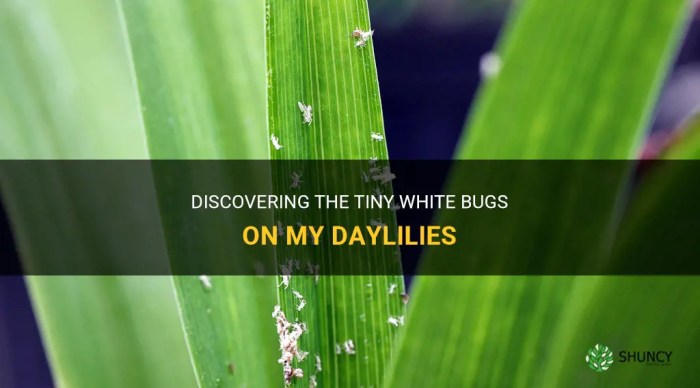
(276, 311)
(386, 176)
(349, 347)
(302, 302)
(286, 274)
(313, 270)
(376, 136)
(490, 65)
(280, 228)
(338, 349)
(206, 282)
(396, 321)
(275, 142)
(301, 355)
(319, 367)
(312, 381)
(392, 288)
(362, 37)
(306, 112)
(365, 177)
(377, 222)
(296, 180)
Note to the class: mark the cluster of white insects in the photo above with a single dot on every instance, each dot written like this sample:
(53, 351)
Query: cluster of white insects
(289, 334)
(348, 347)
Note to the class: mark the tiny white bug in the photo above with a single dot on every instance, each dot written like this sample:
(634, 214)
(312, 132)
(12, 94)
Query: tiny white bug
(377, 136)
(396, 321)
(377, 222)
(362, 37)
(338, 349)
(392, 288)
(385, 176)
(349, 347)
(275, 142)
(301, 355)
(490, 65)
(280, 228)
(302, 302)
(206, 281)
(285, 281)
(318, 363)
(365, 177)
(296, 180)
(306, 112)
(312, 381)
(313, 270)
(276, 311)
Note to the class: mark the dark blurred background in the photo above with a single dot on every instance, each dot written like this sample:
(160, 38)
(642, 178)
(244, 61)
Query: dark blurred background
(428, 54)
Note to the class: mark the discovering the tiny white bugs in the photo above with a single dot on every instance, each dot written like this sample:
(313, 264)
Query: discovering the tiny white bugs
(296, 180)
(206, 281)
(275, 142)
(306, 112)
(377, 136)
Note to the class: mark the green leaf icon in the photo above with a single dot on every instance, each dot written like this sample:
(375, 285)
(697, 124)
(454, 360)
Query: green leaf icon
(599, 358)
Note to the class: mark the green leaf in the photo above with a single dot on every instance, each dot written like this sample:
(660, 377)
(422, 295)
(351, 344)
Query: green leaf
(67, 94)
(111, 331)
(573, 85)
(312, 59)
(200, 74)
